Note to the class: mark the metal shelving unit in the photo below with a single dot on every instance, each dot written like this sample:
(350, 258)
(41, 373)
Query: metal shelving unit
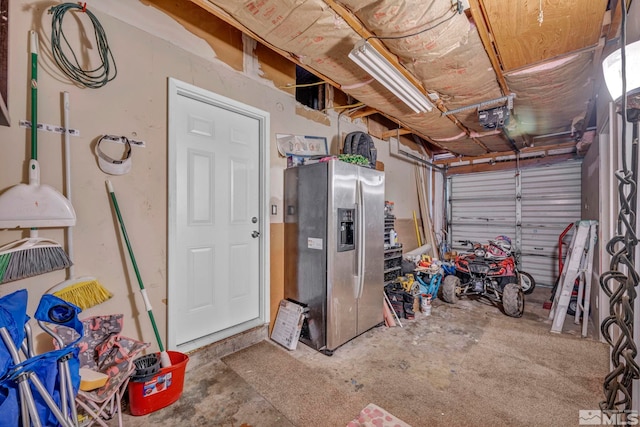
(392, 254)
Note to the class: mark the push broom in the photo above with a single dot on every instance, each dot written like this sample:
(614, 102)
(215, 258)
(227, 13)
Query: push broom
(85, 292)
(33, 205)
(165, 361)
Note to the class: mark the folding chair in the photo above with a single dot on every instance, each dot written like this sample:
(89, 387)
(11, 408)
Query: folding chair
(53, 310)
(103, 349)
(39, 389)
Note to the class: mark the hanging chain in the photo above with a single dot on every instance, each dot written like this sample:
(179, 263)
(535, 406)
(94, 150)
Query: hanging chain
(619, 283)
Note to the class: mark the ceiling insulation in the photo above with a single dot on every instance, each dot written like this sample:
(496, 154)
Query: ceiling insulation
(448, 59)
(548, 65)
(541, 91)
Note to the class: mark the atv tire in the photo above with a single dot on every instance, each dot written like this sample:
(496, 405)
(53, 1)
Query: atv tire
(450, 285)
(527, 283)
(513, 300)
(573, 305)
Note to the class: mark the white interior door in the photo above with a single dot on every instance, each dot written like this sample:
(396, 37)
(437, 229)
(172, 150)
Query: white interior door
(217, 219)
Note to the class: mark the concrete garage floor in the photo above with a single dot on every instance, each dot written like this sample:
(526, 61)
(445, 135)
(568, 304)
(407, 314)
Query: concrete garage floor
(466, 364)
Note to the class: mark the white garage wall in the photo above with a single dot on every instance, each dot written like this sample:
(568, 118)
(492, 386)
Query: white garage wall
(134, 105)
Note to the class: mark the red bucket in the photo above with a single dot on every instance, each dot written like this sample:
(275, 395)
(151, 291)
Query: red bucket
(162, 390)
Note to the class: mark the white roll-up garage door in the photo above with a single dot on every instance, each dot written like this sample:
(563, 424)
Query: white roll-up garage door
(547, 199)
(550, 202)
(483, 206)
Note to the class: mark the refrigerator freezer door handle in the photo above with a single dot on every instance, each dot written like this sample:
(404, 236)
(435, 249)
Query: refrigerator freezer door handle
(361, 244)
(356, 267)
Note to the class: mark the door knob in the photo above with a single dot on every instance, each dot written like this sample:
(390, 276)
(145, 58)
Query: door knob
(255, 234)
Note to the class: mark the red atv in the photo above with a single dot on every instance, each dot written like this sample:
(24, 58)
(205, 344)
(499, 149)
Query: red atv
(487, 272)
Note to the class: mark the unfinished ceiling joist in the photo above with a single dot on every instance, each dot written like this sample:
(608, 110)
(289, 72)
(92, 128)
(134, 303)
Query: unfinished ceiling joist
(226, 17)
(524, 163)
(458, 59)
(480, 19)
(395, 132)
(527, 152)
(357, 26)
(368, 111)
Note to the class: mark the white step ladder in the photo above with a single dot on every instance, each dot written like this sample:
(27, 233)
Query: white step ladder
(577, 267)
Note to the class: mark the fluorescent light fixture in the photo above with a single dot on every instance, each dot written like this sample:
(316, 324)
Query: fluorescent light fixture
(443, 156)
(612, 70)
(370, 60)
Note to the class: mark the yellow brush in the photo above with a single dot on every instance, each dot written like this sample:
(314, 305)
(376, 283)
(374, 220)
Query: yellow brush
(85, 292)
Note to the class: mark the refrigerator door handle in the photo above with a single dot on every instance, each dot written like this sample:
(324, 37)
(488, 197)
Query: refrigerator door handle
(361, 244)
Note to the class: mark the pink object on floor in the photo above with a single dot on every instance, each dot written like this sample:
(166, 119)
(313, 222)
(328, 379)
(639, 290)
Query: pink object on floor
(375, 416)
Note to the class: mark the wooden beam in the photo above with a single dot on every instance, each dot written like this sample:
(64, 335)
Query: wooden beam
(358, 114)
(480, 19)
(616, 19)
(474, 159)
(223, 15)
(359, 28)
(511, 165)
(396, 132)
(547, 148)
(402, 125)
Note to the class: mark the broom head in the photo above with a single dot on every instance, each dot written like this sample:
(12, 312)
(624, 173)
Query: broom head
(30, 257)
(85, 292)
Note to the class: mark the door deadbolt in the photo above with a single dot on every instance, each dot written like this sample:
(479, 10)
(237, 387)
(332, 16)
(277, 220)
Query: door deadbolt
(255, 234)
(254, 220)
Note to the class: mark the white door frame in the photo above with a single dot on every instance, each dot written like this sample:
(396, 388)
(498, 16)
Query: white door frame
(176, 89)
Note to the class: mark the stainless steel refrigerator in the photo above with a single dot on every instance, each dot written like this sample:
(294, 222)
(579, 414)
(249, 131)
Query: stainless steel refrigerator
(334, 249)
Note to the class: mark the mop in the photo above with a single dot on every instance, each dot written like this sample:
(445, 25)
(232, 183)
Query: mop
(165, 361)
(84, 291)
(33, 205)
